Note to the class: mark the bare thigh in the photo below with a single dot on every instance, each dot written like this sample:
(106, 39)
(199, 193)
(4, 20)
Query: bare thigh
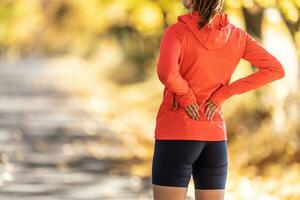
(210, 194)
(168, 192)
(179, 193)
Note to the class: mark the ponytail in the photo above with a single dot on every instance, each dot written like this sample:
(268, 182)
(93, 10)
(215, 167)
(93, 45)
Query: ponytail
(207, 9)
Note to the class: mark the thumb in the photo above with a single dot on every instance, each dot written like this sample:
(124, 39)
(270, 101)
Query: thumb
(175, 106)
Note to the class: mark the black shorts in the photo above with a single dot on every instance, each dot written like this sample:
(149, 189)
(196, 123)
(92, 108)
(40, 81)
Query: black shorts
(174, 161)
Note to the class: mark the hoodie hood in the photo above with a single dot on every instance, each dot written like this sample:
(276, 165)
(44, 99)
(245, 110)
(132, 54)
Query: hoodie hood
(213, 35)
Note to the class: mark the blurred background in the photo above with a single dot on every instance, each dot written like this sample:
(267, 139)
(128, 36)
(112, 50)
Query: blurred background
(79, 96)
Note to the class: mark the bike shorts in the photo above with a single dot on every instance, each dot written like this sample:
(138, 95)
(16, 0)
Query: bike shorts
(175, 161)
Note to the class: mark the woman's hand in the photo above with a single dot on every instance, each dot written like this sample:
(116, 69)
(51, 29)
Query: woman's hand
(192, 110)
(210, 109)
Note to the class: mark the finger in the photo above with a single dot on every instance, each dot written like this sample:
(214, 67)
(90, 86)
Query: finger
(208, 107)
(207, 102)
(193, 112)
(188, 112)
(207, 112)
(212, 115)
(194, 106)
(197, 106)
(175, 105)
(212, 111)
(217, 107)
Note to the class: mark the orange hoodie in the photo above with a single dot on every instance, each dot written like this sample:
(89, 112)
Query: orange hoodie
(196, 65)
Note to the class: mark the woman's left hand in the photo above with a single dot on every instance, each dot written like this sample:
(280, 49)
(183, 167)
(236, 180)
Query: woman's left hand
(210, 109)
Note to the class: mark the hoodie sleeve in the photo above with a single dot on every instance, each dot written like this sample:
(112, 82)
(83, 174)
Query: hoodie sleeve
(168, 68)
(269, 69)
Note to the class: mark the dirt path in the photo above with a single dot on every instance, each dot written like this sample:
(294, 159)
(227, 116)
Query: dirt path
(43, 138)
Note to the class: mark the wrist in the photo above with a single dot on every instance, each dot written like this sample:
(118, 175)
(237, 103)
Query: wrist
(220, 95)
(186, 99)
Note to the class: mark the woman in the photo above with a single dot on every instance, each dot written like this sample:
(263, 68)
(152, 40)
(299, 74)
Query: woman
(198, 55)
